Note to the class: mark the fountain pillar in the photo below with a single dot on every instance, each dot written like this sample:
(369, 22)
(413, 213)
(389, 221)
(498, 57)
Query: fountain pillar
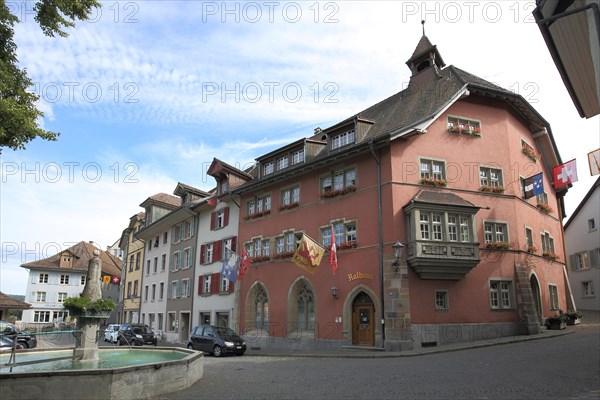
(86, 346)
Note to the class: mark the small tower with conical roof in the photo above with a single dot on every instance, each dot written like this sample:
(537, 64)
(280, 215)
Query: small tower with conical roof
(425, 56)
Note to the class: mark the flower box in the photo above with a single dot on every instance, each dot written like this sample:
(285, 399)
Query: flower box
(284, 255)
(434, 182)
(548, 255)
(574, 317)
(530, 153)
(545, 208)
(554, 324)
(492, 189)
(531, 249)
(346, 245)
(260, 259)
(289, 206)
(258, 214)
(498, 246)
(340, 192)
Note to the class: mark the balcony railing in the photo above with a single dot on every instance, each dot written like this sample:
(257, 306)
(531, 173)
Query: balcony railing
(442, 260)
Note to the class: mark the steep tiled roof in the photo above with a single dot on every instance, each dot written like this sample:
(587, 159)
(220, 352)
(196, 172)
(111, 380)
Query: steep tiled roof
(441, 198)
(166, 198)
(82, 252)
(8, 302)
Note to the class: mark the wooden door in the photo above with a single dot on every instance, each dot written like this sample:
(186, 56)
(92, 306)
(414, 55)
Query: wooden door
(363, 325)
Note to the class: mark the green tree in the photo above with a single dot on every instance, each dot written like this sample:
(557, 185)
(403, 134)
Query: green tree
(19, 115)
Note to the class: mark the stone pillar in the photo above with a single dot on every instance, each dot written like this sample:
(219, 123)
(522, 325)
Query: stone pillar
(398, 328)
(86, 347)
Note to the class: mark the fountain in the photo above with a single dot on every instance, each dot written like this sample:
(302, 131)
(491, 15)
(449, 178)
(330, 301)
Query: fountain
(87, 372)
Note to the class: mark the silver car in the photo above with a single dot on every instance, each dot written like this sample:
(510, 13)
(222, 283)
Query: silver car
(111, 332)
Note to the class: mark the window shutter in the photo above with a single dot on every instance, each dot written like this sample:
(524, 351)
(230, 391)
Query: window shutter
(171, 262)
(594, 258)
(215, 283)
(218, 250)
(173, 235)
(213, 220)
(32, 297)
(192, 227)
(180, 262)
(202, 253)
(169, 291)
(231, 287)
(178, 288)
(225, 216)
(573, 261)
(234, 244)
(200, 285)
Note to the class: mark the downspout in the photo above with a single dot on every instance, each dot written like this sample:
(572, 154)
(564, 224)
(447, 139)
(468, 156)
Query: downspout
(380, 224)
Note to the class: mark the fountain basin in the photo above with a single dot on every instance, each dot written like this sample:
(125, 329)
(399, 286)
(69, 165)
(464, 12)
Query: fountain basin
(120, 373)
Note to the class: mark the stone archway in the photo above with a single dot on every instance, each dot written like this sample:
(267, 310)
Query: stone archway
(537, 299)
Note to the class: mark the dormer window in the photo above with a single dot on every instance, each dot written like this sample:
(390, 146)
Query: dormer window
(282, 163)
(298, 157)
(344, 139)
(224, 186)
(269, 168)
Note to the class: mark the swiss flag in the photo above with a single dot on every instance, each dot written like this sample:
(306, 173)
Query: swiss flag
(333, 254)
(116, 280)
(244, 263)
(565, 174)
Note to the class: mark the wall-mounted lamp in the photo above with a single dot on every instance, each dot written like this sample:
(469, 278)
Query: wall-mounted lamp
(398, 250)
(334, 292)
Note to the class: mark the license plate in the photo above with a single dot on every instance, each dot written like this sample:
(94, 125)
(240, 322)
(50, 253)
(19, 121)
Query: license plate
(239, 347)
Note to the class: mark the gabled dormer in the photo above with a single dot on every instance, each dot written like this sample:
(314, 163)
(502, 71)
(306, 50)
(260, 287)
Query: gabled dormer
(424, 57)
(159, 205)
(227, 176)
(189, 193)
(66, 260)
(290, 156)
(346, 133)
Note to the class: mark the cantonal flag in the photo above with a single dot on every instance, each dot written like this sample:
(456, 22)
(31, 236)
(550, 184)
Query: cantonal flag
(116, 280)
(231, 263)
(565, 174)
(244, 263)
(106, 279)
(333, 253)
(308, 254)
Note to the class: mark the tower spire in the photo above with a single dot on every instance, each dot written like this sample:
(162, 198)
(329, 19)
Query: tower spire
(423, 23)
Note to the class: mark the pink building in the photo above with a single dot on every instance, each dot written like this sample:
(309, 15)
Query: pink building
(437, 168)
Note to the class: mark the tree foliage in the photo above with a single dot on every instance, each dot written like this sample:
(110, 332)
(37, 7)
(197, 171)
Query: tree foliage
(19, 115)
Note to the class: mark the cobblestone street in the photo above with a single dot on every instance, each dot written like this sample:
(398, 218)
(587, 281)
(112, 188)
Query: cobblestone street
(564, 367)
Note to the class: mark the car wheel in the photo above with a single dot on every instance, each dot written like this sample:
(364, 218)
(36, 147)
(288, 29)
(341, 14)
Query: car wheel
(24, 344)
(217, 351)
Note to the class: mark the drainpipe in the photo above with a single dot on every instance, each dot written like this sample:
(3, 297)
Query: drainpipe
(380, 224)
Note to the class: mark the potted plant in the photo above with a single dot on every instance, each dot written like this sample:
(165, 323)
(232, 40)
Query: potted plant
(558, 321)
(545, 208)
(574, 317)
(549, 255)
(83, 306)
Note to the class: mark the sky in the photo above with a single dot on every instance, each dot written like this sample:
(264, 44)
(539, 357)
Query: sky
(146, 93)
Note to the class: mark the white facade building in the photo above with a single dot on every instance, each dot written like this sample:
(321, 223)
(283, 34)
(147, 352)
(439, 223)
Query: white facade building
(582, 243)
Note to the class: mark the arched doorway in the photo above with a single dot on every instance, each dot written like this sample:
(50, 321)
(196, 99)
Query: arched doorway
(363, 320)
(537, 301)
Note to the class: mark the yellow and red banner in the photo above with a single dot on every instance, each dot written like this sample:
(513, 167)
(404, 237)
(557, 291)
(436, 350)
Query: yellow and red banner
(106, 279)
(308, 254)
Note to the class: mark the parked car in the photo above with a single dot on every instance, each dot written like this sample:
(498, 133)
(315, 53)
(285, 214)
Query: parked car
(110, 334)
(136, 334)
(216, 340)
(24, 338)
(6, 344)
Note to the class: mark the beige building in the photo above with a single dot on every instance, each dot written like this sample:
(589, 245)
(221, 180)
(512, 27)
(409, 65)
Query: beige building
(131, 278)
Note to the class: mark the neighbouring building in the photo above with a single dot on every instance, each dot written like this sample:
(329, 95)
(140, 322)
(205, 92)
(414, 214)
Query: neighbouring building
(131, 278)
(218, 216)
(582, 243)
(181, 222)
(439, 169)
(8, 304)
(52, 280)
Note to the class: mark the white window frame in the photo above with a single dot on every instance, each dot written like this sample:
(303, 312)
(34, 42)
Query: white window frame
(269, 168)
(40, 297)
(43, 278)
(553, 296)
(441, 300)
(64, 279)
(502, 296)
(298, 157)
(343, 139)
(490, 176)
(62, 296)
